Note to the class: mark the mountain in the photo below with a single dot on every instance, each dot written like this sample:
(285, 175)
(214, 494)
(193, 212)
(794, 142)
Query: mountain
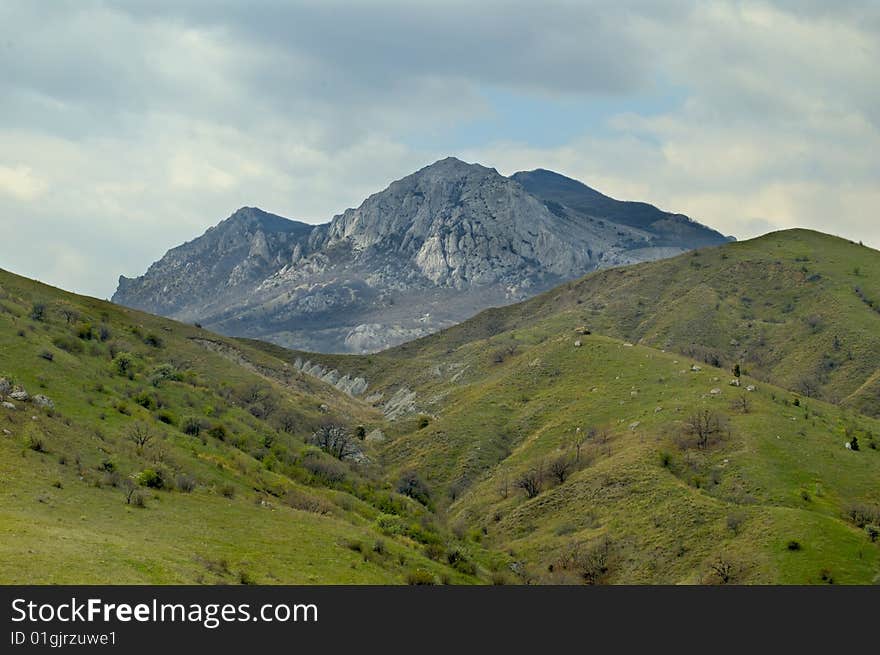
(573, 433)
(427, 252)
(565, 195)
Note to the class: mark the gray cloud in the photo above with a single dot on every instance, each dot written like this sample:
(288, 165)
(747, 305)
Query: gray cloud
(126, 128)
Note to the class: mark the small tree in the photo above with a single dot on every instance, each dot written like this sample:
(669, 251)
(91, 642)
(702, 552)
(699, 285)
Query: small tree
(560, 468)
(854, 443)
(410, 484)
(703, 425)
(38, 311)
(741, 404)
(737, 371)
(140, 435)
(530, 481)
(335, 440)
(723, 570)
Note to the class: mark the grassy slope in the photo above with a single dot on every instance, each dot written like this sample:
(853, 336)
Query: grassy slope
(507, 390)
(784, 306)
(63, 516)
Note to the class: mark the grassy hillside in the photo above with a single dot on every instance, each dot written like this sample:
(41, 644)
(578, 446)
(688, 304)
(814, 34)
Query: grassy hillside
(584, 462)
(797, 308)
(172, 455)
(562, 440)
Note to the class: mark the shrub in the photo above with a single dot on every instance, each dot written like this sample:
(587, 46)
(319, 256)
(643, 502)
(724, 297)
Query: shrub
(873, 532)
(68, 344)
(420, 577)
(35, 443)
(735, 521)
(47, 355)
(793, 545)
(145, 400)
(435, 551)
(185, 483)
(38, 311)
(330, 471)
(335, 440)
(218, 431)
(308, 503)
(192, 425)
(410, 484)
(227, 491)
(460, 563)
(153, 340)
(124, 364)
(152, 478)
(83, 331)
(530, 481)
(166, 417)
(862, 515)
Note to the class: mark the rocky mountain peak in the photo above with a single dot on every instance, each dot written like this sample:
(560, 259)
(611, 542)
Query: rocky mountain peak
(430, 250)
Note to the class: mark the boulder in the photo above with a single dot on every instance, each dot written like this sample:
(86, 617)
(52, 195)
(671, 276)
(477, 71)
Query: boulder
(376, 436)
(734, 382)
(751, 387)
(577, 344)
(5, 387)
(696, 368)
(44, 401)
(21, 395)
(7, 405)
(634, 425)
(715, 391)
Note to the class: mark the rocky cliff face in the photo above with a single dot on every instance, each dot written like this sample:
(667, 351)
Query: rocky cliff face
(430, 250)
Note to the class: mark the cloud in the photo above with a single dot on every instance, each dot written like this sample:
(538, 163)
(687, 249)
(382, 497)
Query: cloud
(20, 183)
(128, 128)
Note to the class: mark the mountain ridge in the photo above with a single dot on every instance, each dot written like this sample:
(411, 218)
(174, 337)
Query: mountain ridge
(428, 251)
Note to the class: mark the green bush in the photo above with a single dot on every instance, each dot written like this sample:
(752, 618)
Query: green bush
(145, 400)
(410, 484)
(124, 364)
(68, 344)
(420, 577)
(152, 478)
(192, 425)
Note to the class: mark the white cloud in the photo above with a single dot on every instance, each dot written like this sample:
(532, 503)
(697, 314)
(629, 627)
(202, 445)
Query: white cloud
(20, 182)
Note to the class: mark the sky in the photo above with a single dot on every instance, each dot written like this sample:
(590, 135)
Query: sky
(128, 128)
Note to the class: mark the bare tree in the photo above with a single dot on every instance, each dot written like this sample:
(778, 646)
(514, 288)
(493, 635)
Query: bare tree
(335, 440)
(723, 569)
(703, 425)
(560, 468)
(741, 404)
(530, 481)
(140, 435)
(70, 314)
(129, 489)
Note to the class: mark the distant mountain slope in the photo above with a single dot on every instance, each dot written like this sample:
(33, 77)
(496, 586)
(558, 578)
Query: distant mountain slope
(427, 252)
(561, 193)
(798, 308)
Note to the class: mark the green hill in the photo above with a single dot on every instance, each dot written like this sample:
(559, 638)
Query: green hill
(770, 495)
(172, 455)
(797, 308)
(580, 437)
